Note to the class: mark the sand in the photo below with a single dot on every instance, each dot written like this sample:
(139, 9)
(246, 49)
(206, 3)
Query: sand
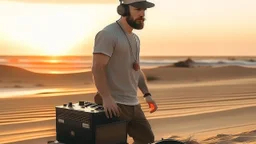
(210, 105)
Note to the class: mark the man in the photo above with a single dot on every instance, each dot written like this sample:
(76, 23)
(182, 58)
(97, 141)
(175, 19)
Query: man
(116, 70)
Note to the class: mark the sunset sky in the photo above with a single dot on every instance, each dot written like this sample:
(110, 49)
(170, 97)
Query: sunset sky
(173, 27)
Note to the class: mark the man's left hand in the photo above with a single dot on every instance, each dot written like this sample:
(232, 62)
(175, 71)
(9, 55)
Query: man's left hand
(151, 103)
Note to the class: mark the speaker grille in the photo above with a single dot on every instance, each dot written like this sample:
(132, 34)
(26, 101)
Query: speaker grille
(77, 116)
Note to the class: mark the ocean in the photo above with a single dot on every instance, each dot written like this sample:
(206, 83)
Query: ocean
(71, 64)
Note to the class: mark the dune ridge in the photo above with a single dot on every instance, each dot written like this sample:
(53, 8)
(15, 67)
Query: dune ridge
(169, 74)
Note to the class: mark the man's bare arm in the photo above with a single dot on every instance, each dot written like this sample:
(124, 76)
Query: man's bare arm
(99, 66)
(143, 83)
(144, 89)
(100, 62)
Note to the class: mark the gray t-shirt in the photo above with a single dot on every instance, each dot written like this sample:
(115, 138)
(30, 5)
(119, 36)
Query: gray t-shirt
(121, 77)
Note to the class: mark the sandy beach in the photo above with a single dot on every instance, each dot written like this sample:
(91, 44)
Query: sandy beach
(210, 105)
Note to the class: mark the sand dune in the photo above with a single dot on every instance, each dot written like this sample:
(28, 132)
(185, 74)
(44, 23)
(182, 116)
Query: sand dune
(163, 74)
(175, 74)
(11, 76)
(245, 137)
(213, 105)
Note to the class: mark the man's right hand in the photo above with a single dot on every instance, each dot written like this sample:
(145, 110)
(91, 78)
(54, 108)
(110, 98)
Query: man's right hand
(110, 107)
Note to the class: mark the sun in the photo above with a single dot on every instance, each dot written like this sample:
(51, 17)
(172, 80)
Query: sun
(48, 29)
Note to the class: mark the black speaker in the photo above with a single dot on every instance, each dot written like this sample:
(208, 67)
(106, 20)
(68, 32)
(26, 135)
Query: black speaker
(86, 123)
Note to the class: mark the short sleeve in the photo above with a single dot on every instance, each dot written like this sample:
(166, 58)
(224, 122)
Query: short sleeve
(104, 43)
(137, 39)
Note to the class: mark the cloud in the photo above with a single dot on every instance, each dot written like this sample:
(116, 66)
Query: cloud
(67, 1)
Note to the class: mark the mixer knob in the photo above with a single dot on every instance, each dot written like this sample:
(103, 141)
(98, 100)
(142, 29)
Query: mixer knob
(70, 104)
(81, 103)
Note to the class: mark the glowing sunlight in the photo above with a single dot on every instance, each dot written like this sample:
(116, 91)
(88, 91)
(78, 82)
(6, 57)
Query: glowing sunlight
(50, 29)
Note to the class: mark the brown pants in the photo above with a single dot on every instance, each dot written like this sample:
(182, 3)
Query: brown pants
(138, 126)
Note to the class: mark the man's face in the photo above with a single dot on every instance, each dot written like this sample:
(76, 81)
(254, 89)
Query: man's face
(136, 18)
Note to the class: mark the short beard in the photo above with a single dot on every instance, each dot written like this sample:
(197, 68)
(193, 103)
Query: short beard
(136, 24)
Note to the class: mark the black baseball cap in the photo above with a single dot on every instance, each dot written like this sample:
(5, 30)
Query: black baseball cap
(143, 4)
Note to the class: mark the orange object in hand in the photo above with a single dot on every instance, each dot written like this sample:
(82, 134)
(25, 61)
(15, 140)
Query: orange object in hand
(152, 107)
